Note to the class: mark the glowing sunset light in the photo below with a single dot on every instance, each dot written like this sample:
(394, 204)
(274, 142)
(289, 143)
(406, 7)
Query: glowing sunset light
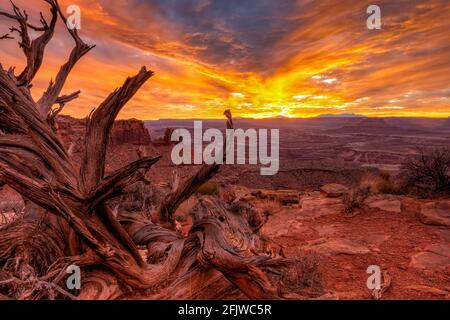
(258, 58)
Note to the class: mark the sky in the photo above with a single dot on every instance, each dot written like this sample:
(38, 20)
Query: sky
(259, 58)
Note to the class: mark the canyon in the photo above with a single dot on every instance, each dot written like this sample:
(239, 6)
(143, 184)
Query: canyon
(303, 205)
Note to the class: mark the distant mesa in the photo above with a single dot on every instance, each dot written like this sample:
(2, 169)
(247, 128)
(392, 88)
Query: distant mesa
(374, 123)
(341, 115)
(278, 117)
(345, 123)
(374, 126)
(274, 118)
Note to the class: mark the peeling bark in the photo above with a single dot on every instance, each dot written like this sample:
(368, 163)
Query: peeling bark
(67, 219)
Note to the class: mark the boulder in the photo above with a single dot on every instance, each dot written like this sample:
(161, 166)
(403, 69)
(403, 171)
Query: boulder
(334, 190)
(436, 213)
(313, 207)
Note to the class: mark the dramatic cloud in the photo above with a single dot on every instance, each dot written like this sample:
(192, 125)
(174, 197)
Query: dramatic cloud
(259, 58)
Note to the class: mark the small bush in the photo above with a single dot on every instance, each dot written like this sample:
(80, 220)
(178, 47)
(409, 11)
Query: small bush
(381, 183)
(209, 188)
(387, 186)
(303, 276)
(428, 173)
(355, 199)
(370, 182)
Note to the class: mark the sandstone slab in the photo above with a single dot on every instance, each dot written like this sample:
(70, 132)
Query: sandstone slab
(313, 207)
(334, 190)
(436, 213)
(384, 203)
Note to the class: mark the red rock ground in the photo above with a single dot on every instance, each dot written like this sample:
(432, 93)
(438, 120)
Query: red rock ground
(392, 239)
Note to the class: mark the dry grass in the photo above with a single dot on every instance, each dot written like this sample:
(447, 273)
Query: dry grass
(303, 276)
(371, 184)
(381, 183)
(355, 199)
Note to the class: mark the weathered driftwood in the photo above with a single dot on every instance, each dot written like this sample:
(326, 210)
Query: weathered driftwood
(67, 220)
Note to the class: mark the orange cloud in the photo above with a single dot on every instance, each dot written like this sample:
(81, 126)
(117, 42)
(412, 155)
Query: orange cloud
(269, 58)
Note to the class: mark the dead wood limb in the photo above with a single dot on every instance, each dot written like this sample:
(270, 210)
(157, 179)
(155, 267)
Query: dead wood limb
(99, 126)
(50, 96)
(221, 254)
(62, 101)
(219, 241)
(6, 36)
(122, 177)
(33, 49)
(185, 190)
(61, 194)
(173, 200)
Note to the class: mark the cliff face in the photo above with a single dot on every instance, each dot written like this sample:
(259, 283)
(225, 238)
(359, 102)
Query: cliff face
(130, 131)
(129, 140)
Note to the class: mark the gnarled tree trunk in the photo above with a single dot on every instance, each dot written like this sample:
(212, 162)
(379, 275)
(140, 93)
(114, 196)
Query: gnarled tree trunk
(67, 220)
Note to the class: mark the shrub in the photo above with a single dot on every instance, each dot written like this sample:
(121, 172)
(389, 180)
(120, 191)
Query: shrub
(355, 199)
(381, 183)
(303, 276)
(387, 186)
(428, 173)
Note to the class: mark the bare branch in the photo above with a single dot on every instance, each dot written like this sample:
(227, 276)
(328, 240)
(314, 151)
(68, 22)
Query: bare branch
(6, 36)
(172, 201)
(34, 50)
(62, 102)
(67, 97)
(99, 126)
(50, 96)
(21, 18)
(106, 214)
(16, 17)
(122, 177)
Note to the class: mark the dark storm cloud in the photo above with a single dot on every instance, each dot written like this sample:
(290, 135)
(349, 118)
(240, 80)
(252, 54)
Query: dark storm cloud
(238, 33)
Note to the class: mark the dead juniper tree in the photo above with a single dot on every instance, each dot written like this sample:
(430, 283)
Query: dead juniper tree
(67, 220)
